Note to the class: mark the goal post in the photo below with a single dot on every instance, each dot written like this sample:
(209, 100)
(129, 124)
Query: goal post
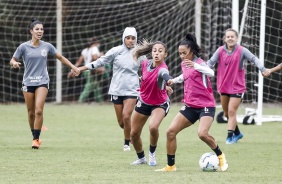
(259, 32)
(59, 48)
(261, 57)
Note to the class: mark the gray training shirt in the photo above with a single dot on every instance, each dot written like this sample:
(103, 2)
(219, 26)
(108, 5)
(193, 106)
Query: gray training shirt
(35, 62)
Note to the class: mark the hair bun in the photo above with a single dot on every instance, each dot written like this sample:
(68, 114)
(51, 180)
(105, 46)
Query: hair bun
(33, 19)
(190, 37)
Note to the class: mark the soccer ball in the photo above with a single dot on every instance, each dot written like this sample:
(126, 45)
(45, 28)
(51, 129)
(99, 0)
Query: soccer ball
(209, 162)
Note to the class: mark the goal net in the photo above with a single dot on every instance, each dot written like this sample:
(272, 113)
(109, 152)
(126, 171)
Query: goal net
(272, 87)
(168, 21)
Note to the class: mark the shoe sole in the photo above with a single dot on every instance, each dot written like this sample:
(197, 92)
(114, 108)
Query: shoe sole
(152, 164)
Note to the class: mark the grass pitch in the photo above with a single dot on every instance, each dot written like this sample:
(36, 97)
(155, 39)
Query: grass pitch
(83, 144)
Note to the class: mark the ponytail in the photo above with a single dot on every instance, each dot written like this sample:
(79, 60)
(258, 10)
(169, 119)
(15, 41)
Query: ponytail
(191, 42)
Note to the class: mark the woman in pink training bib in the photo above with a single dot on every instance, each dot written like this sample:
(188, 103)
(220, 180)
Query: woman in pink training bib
(153, 100)
(231, 79)
(198, 99)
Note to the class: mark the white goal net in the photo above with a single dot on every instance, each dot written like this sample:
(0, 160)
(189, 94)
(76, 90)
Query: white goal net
(168, 21)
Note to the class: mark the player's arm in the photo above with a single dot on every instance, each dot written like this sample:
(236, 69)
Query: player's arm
(253, 59)
(103, 60)
(18, 54)
(14, 63)
(79, 61)
(178, 79)
(163, 77)
(214, 59)
(204, 69)
(66, 62)
(276, 68)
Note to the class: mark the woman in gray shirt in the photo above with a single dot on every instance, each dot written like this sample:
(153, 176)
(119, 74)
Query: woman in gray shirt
(125, 82)
(35, 82)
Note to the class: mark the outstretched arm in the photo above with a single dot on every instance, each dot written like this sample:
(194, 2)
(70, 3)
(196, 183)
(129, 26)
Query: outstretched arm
(65, 61)
(276, 68)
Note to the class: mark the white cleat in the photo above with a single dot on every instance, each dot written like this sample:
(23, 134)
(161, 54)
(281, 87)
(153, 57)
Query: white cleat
(126, 148)
(139, 161)
(152, 159)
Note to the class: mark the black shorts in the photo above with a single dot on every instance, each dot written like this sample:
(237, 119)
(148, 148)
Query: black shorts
(32, 89)
(119, 99)
(236, 95)
(194, 114)
(145, 109)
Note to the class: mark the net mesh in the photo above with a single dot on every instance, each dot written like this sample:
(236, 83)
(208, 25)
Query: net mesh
(273, 48)
(167, 21)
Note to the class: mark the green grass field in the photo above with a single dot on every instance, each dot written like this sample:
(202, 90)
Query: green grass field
(84, 145)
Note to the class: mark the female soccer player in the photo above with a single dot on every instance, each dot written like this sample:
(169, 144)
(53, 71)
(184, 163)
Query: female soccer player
(36, 79)
(125, 81)
(231, 79)
(198, 99)
(153, 101)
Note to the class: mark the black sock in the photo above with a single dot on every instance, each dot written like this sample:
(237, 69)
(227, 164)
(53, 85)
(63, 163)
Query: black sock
(237, 131)
(126, 142)
(36, 134)
(170, 160)
(32, 131)
(152, 148)
(217, 151)
(230, 133)
(141, 155)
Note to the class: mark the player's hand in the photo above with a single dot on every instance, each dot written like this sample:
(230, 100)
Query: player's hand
(16, 65)
(75, 71)
(170, 82)
(189, 63)
(169, 90)
(266, 73)
(70, 75)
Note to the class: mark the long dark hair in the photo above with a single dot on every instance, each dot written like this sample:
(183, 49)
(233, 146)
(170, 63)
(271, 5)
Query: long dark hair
(191, 42)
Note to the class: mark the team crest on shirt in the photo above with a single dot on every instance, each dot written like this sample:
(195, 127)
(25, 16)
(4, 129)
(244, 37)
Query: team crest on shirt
(44, 52)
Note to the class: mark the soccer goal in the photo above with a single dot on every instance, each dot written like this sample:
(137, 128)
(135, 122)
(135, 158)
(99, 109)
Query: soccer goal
(260, 32)
(68, 25)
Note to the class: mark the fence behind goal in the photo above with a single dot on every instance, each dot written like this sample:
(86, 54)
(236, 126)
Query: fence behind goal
(167, 21)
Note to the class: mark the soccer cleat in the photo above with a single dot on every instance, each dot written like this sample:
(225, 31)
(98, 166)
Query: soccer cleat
(168, 168)
(36, 144)
(152, 159)
(139, 161)
(126, 147)
(222, 162)
(229, 140)
(235, 138)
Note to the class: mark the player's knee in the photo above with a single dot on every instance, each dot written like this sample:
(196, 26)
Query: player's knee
(126, 118)
(134, 135)
(231, 112)
(31, 114)
(153, 130)
(39, 112)
(202, 135)
(170, 134)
